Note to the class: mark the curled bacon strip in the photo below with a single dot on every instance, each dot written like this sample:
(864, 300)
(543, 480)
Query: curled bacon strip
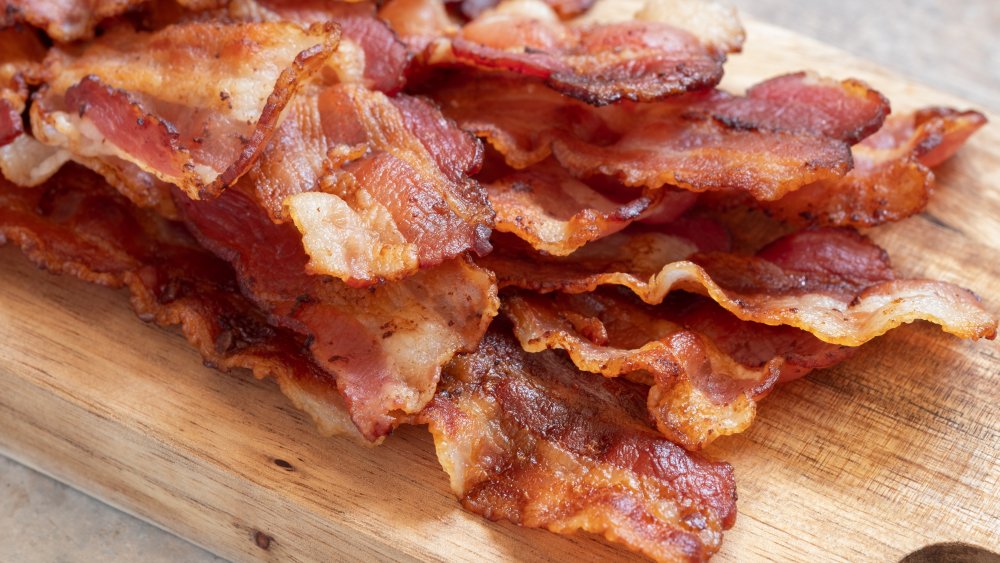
(706, 141)
(369, 52)
(833, 283)
(891, 179)
(707, 368)
(641, 60)
(75, 224)
(558, 214)
(377, 186)
(529, 439)
(386, 344)
(190, 105)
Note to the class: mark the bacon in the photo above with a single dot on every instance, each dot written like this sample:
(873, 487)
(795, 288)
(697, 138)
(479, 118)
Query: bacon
(64, 20)
(190, 105)
(21, 54)
(528, 439)
(891, 179)
(705, 141)
(377, 186)
(75, 224)
(369, 51)
(833, 283)
(471, 9)
(640, 60)
(418, 22)
(386, 344)
(705, 381)
(558, 214)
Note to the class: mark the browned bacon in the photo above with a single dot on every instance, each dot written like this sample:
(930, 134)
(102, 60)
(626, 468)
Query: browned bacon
(706, 367)
(21, 55)
(377, 186)
(891, 179)
(63, 20)
(75, 224)
(557, 214)
(369, 52)
(529, 439)
(710, 140)
(833, 283)
(190, 105)
(474, 8)
(644, 59)
(386, 344)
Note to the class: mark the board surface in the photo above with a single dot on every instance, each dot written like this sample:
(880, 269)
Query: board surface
(896, 449)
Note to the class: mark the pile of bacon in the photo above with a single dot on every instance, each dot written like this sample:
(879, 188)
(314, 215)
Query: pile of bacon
(611, 281)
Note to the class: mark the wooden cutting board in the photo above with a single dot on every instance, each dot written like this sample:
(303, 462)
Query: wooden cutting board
(891, 451)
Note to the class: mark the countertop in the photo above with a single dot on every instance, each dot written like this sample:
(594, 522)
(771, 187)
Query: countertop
(947, 45)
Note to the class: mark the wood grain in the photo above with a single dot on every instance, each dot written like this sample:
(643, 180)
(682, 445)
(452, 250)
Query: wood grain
(894, 450)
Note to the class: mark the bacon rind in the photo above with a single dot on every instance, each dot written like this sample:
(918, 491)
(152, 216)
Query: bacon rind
(196, 134)
(379, 187)
(386, 343)
(699, 142)
(891, 179)
(698, 392)
(76, 225)
(586, 61)
(838, 285)
(529, 439)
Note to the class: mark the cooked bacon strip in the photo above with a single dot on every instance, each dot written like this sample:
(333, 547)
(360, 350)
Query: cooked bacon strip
(377, 186)
(75, 224)
(891, 179)
(386, 344)
(833, 283)
(705, 141)
(190, 105)
(417, 22)
(23, 160)
(698, 393)
(557, 214)
(64, 20)
(707, 368)
(21, 54)
(369, 51)
(471, 9)
(641, 60)
(529, 439)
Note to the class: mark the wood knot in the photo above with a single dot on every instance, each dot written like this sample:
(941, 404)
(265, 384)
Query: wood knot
(284, 465)
(262, 540)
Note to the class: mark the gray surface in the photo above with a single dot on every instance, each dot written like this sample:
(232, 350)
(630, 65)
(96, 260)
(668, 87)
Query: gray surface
(951, 45)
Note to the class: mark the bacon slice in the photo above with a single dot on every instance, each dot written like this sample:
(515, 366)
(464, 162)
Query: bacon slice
(386, 344)
(707, 368)
(190, 105)
(21, 55)
(557, 214)
(64, 20)
(418, 22)
(377, 186)
(891, 179)
(75, 224)
(706, 141)
(528, 439)
(369, 52)
(639, 60)
(833, 283)
(23, 160)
